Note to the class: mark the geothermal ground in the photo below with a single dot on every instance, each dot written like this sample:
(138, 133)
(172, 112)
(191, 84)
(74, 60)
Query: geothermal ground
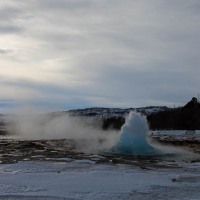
(55, 169)
(130, 164)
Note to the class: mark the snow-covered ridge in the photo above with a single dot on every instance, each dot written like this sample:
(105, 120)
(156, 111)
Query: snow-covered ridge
(105, 113)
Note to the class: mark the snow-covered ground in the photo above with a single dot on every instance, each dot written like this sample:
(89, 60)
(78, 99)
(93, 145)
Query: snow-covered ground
(83, 179)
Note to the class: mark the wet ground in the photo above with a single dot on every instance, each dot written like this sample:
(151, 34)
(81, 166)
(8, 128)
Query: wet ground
(14, 150)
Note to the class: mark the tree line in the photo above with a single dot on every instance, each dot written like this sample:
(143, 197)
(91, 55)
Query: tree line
(183, 118)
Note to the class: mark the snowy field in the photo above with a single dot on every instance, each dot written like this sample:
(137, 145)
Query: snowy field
(83, 179)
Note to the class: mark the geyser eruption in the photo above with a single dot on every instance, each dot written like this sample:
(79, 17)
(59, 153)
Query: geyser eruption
(132, 139)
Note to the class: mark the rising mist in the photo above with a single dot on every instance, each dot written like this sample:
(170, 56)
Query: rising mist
(87, 135)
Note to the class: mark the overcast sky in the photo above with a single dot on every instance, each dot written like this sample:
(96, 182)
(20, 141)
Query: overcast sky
(63, 54)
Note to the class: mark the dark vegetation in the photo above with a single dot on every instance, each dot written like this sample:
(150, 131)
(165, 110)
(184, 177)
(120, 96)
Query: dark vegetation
(113, 123)
(183, 118)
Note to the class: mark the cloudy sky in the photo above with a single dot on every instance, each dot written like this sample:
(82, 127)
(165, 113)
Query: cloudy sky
(63, 54)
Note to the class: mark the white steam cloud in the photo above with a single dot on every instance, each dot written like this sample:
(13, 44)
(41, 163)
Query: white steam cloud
(88, 138)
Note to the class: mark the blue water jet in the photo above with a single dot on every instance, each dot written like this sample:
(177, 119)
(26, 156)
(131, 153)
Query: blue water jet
(132, 139)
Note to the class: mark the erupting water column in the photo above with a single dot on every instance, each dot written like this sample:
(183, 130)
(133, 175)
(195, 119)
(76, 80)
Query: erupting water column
(132, 139)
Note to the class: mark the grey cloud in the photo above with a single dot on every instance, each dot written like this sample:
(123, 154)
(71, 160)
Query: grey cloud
(9, 13)
(59, 97)
(128, 50)
(194, 7)
(127, 85)
(5, 51)
(64, 4)
(42, 87)
(188, 7)
(10, 29)
(12, 17)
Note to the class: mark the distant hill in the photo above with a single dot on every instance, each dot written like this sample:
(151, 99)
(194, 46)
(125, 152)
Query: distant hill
(114, 118)
(106, 113)
(159, 117)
